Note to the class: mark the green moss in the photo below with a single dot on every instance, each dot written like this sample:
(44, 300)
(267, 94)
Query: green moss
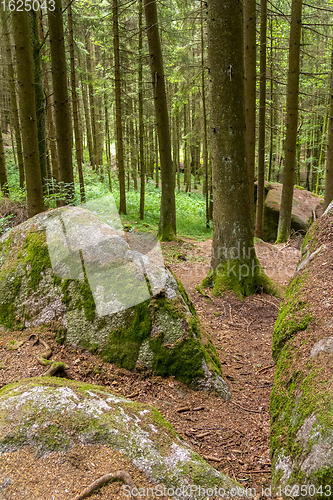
(292, 318)
(298, 187)
(183, 360)
(123, 345)
(88, 301)
(242, 277)
(38, 255)
(159, 420)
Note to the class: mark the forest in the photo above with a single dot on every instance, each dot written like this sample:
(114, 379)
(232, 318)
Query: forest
(166, 189)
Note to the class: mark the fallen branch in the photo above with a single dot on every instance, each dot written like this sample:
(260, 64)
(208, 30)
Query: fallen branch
(214, 459)
(246, 409)
(133, 395)
(183, 409)
(119, 475)
(265, 368)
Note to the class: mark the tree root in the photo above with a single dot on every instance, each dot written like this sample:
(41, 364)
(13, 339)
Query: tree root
(119, 475)
(43, 359)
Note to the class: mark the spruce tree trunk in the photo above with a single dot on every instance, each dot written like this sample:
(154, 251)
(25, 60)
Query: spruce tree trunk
(39, 96)
(49, 105)
(77, 132)
(119, 125)
(87, 121)
(259, 231)
(234, 264)
(15, 114)
(61, 102)
(167, 223)
(204, 112)
(291, 122)
(329, 161)
(27, 106)
(3, 169)
(90, 78)
(141, 128)
(249, 7)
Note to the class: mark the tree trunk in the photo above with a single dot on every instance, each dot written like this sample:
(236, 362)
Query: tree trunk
(249, 7)
(78, 138)
(15, 113)
(234, 264)
(61, 102)
(329, 161)
(167, 224)
(49, 105)
(205, 136)
(91, 93)
(291, 122)
(262, 124)
(3, 169)
(27, 106)
(119, 129)
(141, 129)
(88, 123)
(39, 96)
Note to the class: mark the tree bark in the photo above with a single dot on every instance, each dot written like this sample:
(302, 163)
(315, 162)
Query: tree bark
(329, 161)
(49, 104)
(234, 264)
(119, 126)
(3, 169)
(167, 223)
(249, 7)
(78, 138)
(27, 105)
(291, 122)
(61, 102)
(15, 113)
(262, 124)
(39, 96)
(141, 128)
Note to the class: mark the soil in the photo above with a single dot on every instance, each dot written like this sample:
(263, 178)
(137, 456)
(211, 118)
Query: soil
(232, 435)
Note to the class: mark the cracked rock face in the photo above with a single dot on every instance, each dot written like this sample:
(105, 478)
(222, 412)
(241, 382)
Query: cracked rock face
(109, 289)
(92, 414)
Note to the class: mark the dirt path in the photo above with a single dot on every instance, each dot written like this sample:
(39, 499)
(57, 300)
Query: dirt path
(233, 436)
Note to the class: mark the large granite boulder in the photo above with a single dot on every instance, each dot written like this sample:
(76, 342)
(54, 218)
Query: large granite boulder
(302, 396)
(110, 292)
(306, 206)
(53, 414)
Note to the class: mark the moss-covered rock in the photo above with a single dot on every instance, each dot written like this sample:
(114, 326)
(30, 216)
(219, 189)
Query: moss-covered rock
(109, 290)
(302, 396)
(305, 204)
(52, 414)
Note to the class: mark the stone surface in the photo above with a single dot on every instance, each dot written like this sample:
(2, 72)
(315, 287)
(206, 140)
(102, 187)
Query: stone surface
(306, 205)
(111, 292)
(302, 395)
(52, 414)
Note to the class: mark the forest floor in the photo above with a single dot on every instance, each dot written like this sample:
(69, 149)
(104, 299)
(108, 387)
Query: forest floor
(232, 435)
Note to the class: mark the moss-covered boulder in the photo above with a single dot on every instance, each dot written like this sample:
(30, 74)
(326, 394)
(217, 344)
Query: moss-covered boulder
(302, 396)
(109, 291)
(53, 414)
(305, 205)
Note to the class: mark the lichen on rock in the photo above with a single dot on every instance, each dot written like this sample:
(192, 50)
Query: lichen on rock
(301, 400)
(110, 291)
(52, 414)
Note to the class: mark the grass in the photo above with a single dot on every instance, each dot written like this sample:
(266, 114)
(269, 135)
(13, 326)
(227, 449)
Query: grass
(190, 207)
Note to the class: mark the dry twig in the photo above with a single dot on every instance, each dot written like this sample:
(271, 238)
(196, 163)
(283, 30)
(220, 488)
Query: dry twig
(246, 409)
